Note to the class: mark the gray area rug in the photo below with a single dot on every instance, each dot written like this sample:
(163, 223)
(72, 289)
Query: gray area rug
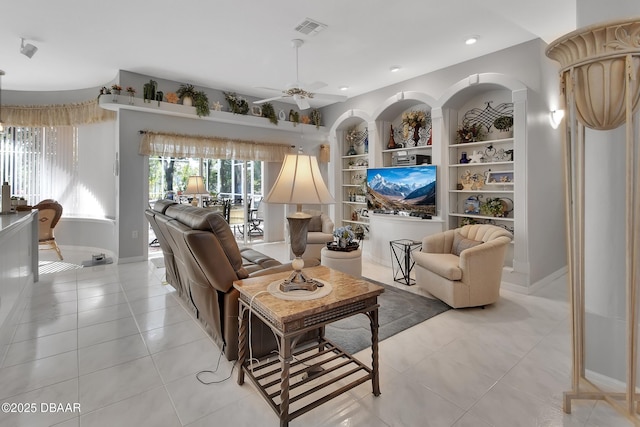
(398, 311)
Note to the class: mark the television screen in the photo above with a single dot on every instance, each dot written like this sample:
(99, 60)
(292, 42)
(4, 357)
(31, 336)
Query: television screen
(404, 188)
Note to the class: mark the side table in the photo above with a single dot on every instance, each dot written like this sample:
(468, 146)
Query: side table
(306, 375)
(401, 260)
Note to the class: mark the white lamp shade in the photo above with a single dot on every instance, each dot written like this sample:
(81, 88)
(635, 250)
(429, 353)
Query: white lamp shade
(300, 182)
(195, 185)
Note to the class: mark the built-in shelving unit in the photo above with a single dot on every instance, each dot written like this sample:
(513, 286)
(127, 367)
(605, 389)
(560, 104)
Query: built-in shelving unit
(355, 161)
(497, 157)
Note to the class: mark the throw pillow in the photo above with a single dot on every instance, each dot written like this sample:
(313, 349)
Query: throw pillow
(460, 243)
(315, 224)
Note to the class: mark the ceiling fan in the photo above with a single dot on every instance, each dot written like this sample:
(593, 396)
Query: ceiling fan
(300, 92)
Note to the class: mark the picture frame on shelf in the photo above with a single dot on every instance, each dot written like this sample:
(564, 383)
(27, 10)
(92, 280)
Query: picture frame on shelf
(256, 110)
(499, 178)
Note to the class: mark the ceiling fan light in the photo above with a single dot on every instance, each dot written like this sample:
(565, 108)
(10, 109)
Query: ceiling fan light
(343, 88)
(394, 69)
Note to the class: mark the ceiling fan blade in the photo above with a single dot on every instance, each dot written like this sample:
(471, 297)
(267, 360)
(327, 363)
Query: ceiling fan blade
(269, 88)
(302, 102)
(328, 97)
(262, 101)
(314, 86)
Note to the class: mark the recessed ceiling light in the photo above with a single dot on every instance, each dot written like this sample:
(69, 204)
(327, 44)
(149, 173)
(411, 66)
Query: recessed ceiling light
(471, 40)
(343, 87)
(394, 69)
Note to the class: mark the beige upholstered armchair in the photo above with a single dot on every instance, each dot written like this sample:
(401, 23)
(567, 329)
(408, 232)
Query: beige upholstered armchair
(463, 267)
(320, 231)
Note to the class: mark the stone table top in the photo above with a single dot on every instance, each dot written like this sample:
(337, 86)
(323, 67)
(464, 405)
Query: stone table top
(347, 289)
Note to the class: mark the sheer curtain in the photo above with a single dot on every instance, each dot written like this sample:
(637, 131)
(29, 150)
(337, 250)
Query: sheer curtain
(210, 147)
(41, 163)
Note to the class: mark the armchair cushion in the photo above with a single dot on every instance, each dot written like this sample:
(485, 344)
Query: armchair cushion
(444, 265)
(460, 243)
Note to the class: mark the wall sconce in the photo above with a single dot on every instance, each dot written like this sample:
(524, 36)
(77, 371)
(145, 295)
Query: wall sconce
(325, 153)
(555, 117)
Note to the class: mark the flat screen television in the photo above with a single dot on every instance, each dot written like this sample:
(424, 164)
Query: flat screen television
(403, 188)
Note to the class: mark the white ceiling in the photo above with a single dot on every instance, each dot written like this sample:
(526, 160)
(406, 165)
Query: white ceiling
(242, 45)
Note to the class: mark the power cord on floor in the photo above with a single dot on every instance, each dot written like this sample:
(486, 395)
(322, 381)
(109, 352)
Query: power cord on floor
(251, 359)
(208, 371)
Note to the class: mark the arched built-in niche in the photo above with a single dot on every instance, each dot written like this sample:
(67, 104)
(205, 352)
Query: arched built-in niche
(348, 168)
(508, 171)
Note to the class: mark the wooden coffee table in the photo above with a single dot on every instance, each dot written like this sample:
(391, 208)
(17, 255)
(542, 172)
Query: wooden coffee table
(309, 374)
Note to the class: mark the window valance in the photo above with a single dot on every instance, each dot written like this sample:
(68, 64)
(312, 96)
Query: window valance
(56, 115)
(210, 147)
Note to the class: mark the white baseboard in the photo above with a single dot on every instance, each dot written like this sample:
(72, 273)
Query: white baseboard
(528, 290)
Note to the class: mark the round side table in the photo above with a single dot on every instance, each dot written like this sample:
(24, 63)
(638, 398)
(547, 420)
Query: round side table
(347, 262)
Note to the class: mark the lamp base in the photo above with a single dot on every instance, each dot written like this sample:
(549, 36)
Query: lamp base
(298, 281)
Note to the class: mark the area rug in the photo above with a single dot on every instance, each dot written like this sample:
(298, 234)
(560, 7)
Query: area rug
(399, 310)
(49, 267)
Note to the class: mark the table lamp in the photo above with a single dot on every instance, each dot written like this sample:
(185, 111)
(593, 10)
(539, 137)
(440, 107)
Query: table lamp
(195, 186)
(299, 182)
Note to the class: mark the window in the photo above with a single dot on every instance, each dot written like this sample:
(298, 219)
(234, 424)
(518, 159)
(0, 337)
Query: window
(40, 163)
(223, 177)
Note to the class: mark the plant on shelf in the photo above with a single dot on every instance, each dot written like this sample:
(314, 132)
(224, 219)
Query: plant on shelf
(294, 117)
(116, 88)
(201, 102)
(269, 112)
(493, 207)
(315, 118)
(131, 90)
(503, 123)
(470, 132)
(187, 94)
(237, 105)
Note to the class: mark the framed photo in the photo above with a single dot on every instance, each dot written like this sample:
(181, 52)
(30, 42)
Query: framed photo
(499, 178)
(256, 110)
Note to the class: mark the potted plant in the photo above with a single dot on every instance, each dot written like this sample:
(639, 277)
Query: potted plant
(269, 112)
(237, 105)
(187, 94)
(504, 124)
(493, 207)
(315, 118)
(345, 235)
(201, 102)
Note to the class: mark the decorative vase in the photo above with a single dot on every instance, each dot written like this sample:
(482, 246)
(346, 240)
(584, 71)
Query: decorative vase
(416, 134)
(342, 243)
(463, 157)
(115, 94)
(131, 96)
(187, 101)
(392, 143)
(352, 151)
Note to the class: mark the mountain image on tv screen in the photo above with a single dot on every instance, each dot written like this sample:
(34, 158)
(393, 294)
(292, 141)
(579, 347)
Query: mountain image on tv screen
(406, 188)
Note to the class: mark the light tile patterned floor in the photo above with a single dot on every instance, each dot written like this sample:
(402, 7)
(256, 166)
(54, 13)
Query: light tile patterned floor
(114, 339)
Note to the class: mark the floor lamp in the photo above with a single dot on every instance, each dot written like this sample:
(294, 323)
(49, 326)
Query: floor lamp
(196, 187)
(600, 81)
(298, 183)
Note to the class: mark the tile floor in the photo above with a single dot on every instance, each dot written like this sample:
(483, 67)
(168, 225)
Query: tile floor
(114, 339)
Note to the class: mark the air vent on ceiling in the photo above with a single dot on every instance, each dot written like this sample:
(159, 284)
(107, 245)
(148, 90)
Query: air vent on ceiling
(310, 27)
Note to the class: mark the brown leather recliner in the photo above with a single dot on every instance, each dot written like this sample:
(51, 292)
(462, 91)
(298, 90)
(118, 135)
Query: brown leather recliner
(208, 261)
